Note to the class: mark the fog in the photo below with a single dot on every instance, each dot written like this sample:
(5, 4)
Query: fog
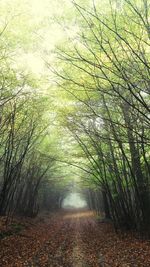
(74, 200)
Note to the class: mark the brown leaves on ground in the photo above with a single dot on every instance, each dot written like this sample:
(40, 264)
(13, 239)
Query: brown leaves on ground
(71, 239)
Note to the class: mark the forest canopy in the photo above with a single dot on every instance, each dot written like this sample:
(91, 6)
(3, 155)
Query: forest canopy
(75, 102)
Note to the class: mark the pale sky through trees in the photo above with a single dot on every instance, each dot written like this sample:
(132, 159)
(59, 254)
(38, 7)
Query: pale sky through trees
(37, 17)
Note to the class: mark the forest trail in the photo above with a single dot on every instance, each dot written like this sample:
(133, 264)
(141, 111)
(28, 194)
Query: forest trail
(72, 239)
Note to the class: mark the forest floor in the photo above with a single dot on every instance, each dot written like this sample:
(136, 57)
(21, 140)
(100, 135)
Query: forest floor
(69, 239)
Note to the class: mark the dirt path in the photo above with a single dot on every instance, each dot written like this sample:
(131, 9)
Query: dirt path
(73, 239)
(64, 249)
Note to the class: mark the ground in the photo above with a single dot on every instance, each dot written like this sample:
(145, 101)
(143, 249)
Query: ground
(70, 239)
